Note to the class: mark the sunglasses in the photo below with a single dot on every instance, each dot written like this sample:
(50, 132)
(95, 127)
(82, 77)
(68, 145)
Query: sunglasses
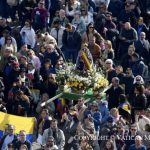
(133, 129)
(22, 135)
(91, 27)
(50, 141)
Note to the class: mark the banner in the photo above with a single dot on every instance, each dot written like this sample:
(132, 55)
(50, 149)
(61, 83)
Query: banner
(20, 123)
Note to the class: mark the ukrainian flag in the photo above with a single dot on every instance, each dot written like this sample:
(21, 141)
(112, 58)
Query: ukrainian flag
(20, 123)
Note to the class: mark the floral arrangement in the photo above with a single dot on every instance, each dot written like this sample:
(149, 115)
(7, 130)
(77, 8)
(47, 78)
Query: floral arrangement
(78, 82)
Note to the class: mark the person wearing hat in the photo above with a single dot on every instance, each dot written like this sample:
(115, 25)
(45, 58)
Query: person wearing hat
(79, 23)
(57, 32)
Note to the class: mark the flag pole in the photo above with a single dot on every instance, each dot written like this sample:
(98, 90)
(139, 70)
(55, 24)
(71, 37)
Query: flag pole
(52, 99)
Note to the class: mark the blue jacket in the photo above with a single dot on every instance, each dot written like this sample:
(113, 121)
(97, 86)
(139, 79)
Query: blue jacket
(96, 116)
(103, 108)
(132, 147)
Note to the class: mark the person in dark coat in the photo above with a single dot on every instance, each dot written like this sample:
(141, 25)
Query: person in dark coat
(110, 72)
(115, 7)
(138, 67)
(139, 101)
(14, 73)
(71, 42)
(124, 107)
(128, 36)
(43, 122)
(49, 86)
(141, 27)
(128, 80)
(127, 15)
(125, 62)
(21, 104)
(44, 70)
(22, 141)
(142, 47)
(70, 124)
(119, 73)
(51, 54)
(113, 93)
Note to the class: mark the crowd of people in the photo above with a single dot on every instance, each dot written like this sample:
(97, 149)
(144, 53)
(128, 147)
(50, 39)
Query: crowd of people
(39, 37)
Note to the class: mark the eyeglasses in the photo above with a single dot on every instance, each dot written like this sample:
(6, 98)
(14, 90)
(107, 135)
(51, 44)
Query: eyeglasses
(8, 39)
(91, 27)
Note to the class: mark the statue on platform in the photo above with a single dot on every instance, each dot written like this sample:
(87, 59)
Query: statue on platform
(84, 60)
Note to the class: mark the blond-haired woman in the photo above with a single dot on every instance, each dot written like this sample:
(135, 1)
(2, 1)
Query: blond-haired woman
(108, 52)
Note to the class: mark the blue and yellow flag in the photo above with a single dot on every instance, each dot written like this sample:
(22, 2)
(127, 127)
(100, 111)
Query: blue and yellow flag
(20, 123)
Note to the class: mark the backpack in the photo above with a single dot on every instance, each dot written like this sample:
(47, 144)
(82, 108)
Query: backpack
(12, 2)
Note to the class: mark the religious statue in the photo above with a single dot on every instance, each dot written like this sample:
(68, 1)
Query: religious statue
(84, 60)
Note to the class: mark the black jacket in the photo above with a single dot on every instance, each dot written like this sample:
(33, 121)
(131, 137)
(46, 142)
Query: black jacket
(113, 100)
(139, 102)
(19, 143)
(76, 45)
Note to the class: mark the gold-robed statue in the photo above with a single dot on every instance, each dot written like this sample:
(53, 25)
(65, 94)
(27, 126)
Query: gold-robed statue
(84, 60)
